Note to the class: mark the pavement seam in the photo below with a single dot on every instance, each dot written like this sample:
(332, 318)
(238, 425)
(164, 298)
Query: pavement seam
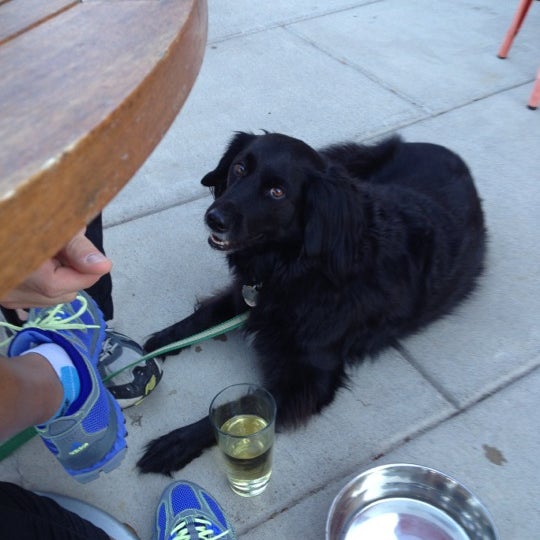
(404, 352)
(376, 135)
(292, 20)
(366, 73)
(147, 213)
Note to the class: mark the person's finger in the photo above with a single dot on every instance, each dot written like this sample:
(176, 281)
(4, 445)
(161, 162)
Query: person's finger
(50, 284)
(67, 280)
(81, 254)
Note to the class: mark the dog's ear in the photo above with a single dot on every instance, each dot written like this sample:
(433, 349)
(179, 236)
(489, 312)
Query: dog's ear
(216, 180)
(333, 222)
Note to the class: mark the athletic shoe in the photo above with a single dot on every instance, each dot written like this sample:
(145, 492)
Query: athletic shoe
(187, 512)
(89, 436)
(130, 385)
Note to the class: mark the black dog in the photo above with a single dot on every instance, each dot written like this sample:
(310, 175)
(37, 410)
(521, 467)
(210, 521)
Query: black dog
(350, 248)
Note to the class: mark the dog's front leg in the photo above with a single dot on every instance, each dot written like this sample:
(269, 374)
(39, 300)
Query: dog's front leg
(208, 313)
(304, 385)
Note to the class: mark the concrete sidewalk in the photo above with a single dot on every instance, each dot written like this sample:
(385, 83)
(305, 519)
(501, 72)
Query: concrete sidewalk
(465, 399)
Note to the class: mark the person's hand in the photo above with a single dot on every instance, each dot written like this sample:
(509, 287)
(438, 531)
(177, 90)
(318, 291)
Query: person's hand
(77, 266)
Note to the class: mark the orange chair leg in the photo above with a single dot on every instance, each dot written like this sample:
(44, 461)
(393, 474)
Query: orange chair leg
(534, 100)
(519, 17)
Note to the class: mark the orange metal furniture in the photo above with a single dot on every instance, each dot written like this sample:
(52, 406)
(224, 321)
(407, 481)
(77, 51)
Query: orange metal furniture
(519, 17)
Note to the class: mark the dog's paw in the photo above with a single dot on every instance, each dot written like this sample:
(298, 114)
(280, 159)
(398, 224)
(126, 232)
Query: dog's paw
(167, 454)
(173, 451)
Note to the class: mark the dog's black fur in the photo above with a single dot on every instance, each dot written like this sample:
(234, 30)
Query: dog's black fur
(354, 247)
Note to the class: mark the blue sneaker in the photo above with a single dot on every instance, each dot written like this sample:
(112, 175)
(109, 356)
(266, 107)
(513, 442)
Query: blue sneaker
(187, 512)
(89, 436)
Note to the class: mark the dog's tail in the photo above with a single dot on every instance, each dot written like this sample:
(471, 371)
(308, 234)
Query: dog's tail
(359, 160)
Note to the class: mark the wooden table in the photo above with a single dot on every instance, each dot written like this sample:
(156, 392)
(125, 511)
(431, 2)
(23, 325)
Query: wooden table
(87, 90)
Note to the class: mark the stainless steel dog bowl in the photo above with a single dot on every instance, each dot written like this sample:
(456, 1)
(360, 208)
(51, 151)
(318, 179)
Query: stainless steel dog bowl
(407, 502)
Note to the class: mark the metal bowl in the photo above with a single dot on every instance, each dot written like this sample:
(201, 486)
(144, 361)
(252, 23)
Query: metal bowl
(407, 502)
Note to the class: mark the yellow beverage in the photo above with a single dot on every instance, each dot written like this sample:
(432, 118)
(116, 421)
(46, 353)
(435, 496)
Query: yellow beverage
(247, 452)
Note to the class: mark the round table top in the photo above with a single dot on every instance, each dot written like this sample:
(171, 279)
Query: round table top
(87, 90)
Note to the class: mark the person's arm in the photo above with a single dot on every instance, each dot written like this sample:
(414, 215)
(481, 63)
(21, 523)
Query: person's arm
(30, 393)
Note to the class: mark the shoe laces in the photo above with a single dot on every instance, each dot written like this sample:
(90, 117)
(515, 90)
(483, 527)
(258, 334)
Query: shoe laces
(53, 320)
(202, 526)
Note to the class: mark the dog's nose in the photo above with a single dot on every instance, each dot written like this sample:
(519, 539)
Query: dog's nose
(215, 219)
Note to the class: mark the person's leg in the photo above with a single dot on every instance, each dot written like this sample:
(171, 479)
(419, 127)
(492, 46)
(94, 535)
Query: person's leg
(101, 291)
(11, 316)
(27, 516)
(133, 385)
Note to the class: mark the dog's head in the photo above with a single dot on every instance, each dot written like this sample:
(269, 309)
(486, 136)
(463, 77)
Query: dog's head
(274, 189)
(258, 186)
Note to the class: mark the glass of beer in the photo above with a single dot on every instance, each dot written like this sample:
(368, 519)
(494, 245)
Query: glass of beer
(243, 417)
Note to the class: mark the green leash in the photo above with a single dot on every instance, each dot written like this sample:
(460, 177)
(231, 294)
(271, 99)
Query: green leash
(215, 331)
(21, 438)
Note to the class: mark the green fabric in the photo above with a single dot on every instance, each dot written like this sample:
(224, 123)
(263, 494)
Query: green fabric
(15, 442)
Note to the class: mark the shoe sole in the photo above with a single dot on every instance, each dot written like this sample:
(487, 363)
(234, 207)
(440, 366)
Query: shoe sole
(142, 391)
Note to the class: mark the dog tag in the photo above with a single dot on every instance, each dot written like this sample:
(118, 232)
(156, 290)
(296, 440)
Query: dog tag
(250, 294)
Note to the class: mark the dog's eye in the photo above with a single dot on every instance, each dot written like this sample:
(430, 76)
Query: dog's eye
(239, 169)
(276, 192)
